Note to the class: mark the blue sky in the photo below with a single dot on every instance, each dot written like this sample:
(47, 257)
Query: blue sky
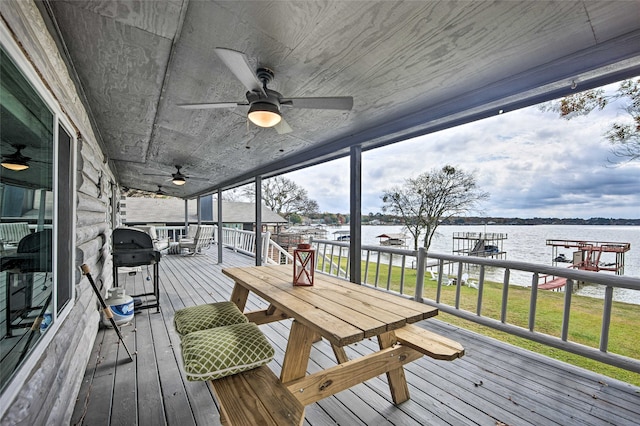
(532, 163)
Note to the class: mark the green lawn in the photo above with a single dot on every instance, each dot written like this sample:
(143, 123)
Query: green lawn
(584, 324)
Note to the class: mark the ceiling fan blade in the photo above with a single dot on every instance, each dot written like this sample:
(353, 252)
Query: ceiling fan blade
(195, 178)
(155, 174)
(282, 127)
(239, 65)
(211, 105)
(339, 102)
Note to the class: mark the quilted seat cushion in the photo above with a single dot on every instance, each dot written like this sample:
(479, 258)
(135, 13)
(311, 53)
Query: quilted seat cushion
(201, 317)
(218, 352)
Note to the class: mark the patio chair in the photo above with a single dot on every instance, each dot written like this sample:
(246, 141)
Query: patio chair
(159, 243)
(463, 280)
(191, 234)
(202, 240)
(12, 233)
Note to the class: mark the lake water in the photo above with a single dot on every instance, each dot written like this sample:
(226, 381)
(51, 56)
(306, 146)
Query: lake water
(528, 244)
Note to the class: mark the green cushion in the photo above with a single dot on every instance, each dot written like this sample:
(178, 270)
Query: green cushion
(218, 352)
(201, 317)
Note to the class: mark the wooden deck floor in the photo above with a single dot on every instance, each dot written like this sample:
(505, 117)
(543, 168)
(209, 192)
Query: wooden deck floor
(493, 384)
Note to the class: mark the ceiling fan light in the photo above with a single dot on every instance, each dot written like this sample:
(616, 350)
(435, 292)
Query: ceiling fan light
(179, 180)
(16, 161)
(264, 114)
(15, 165)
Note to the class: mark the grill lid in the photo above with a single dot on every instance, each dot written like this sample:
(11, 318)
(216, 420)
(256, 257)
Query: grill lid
(131, 239)
(133, 247)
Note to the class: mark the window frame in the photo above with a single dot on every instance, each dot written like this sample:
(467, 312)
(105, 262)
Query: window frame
(21, 375)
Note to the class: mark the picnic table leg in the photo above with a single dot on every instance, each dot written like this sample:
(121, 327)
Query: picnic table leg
(239, 296)
(296, 357)
(340, 353)
(396, 378)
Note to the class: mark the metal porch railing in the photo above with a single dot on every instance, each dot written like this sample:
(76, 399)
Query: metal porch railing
(403, 271)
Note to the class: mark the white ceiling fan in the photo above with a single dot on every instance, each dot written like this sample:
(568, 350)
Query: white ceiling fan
(265, 104)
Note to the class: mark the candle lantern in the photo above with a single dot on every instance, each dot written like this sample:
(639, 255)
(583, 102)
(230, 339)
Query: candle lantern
(303, 265)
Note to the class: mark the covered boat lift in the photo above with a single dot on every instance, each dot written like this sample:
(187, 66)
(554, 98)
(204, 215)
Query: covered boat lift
(589, 253)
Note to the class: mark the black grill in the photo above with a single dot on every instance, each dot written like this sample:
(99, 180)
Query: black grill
(33, 254)
(133, 247)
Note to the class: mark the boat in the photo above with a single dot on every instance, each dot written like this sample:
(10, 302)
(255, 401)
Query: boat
(393, 239)
(342, 235)
(562, 258)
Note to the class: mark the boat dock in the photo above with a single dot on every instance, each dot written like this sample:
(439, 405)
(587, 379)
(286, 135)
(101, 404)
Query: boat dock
(587, 255)
(482, 244)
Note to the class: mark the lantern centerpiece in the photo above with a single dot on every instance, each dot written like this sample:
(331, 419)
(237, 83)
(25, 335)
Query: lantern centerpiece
(303, 265)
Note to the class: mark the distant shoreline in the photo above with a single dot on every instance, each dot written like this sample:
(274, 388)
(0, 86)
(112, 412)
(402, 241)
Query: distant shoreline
(475, 221)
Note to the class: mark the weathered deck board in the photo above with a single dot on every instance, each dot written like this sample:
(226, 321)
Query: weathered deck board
(494, 382)
(150, 405)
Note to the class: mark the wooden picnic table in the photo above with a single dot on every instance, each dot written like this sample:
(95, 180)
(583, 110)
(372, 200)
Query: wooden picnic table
(343, 313)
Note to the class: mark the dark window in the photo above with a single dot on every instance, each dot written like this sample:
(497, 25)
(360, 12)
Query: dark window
(65, 197)
(29, 306)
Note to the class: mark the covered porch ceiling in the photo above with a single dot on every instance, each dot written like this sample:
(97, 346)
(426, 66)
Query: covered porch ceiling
(412, 67)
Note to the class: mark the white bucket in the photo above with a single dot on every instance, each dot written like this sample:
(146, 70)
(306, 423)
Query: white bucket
(121, 306)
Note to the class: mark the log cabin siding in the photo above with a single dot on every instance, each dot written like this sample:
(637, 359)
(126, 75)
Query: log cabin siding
(47, 394)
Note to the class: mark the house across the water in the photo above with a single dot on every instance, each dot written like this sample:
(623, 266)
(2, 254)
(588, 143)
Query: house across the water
(171, 212)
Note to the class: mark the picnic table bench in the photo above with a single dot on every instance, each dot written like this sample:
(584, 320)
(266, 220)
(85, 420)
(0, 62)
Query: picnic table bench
(258, 397)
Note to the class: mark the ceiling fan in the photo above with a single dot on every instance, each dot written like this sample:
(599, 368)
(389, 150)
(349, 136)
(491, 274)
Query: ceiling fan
(264, 103)
(178, 178)
(160, 191)
(16, 161)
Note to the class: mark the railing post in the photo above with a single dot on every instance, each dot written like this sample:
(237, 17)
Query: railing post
(480, 291)
(566, 314)
(505, 295)
(440, 272)
(606, 319)
(265, 247)
(422, 255)
(533, 303)
(235, 236)
(220, 225)
(458, 284)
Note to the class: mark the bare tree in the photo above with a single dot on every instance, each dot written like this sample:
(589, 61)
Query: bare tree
(424, 201)
(235, 194)
(284, 196)
(624, 135)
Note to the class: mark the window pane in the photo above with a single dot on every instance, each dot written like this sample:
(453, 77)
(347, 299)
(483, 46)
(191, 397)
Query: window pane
(26, 217)
(65, 196)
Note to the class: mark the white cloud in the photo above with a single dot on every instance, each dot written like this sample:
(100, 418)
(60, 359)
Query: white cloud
(532, 163)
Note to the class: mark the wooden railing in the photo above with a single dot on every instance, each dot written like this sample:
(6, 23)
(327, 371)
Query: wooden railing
(245, 242)
(403, 271)
(174, 233)
(237, 240)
